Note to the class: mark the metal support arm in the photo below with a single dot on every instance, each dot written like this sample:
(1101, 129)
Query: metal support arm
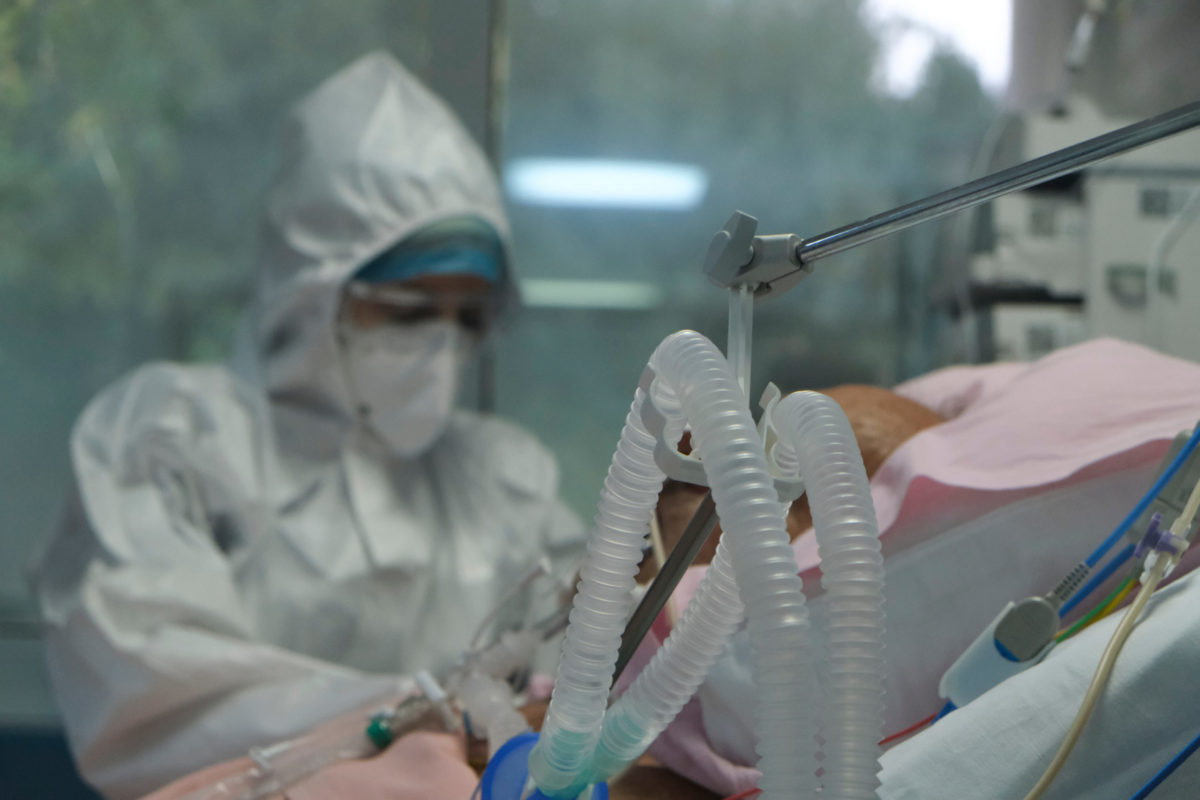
(759, 262)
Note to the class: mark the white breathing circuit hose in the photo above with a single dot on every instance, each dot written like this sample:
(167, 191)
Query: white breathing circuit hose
(815, 435)
(754, 566)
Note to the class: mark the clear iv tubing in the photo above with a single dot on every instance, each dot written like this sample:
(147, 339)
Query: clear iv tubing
(741, 325)
(477, 684)
(277, 767)
(285, 764)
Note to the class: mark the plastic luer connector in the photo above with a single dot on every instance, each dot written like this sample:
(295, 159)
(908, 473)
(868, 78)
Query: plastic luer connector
(1157, 544)
(1160, 540)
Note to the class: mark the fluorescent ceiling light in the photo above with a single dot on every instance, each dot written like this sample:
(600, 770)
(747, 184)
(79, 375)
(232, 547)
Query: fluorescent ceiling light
(601, 183)
(606, 295)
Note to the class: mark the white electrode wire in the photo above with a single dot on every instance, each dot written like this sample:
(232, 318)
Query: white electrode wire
(1099, 680)
(1158, 262)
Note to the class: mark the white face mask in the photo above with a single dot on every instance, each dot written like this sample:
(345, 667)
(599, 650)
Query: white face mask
(404, 380)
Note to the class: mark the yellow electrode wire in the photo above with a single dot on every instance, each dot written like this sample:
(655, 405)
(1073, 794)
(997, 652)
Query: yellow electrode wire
(1116, 601)
(1090, 617)
(1111, 604)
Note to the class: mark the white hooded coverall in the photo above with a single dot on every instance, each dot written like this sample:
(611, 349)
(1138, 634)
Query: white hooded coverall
(242, 559)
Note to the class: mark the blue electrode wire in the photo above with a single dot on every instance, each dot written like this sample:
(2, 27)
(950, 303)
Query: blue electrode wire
(1125, 525)
(1163, 773)
(1100, 577)
(1145, 502)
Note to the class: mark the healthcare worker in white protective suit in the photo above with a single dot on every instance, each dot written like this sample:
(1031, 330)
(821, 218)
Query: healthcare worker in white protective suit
(255, 549)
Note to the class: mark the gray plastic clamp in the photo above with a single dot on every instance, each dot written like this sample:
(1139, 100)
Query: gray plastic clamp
(767, 264)
(689, 468)
(675, 464)
(789, 485)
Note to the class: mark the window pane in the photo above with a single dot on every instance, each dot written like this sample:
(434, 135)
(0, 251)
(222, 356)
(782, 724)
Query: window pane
(777, 106)
(136, 142)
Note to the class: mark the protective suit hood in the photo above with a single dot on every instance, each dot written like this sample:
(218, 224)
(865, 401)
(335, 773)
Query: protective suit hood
(241, 558)
(369, 157)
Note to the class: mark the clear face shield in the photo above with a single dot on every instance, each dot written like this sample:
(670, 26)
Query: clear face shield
(368, 306)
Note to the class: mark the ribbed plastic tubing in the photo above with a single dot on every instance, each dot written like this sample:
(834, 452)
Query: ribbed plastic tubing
(815, 435)
(601, 605)
(753, 574)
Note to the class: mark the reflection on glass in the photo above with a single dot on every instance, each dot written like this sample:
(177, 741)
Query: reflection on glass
(604, 183)
(776, 104)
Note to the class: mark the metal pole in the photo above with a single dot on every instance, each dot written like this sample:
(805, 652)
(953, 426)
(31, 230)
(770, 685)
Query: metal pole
(1013, 179)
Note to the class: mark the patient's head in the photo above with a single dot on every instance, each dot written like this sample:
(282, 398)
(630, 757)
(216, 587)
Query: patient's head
(881, 420)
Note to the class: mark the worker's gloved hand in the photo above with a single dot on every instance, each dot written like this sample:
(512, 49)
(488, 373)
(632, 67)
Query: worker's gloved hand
(415, 767)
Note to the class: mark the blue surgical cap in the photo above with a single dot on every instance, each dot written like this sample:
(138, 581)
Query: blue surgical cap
(456, 246)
